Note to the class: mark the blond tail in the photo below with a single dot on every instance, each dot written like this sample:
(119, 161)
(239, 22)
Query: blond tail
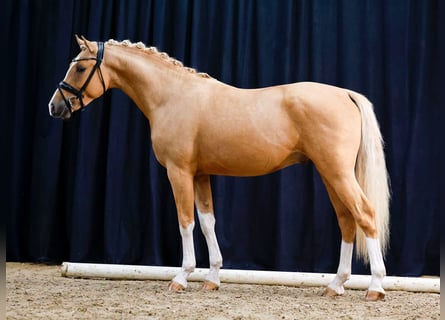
(372, 175)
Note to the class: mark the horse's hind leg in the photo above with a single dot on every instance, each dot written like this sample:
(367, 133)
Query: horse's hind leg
(351, 195)
(347, 227)
(204, 206)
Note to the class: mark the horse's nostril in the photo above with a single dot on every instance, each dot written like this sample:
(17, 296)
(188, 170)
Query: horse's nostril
(53, 110)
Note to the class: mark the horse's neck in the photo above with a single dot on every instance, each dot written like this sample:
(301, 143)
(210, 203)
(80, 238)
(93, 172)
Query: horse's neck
(144, 79)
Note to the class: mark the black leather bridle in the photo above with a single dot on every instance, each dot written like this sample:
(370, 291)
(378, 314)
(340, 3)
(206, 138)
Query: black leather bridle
(78, 94)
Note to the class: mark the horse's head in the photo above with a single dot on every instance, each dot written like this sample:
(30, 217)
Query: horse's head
(83, 82)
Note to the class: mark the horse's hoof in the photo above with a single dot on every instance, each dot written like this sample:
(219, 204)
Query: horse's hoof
(374, 296)
(209, 286)
(328, 292)
(176, 287)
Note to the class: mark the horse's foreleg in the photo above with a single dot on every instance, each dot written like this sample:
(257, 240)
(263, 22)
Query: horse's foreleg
(204, 205)
(182, 185)
(347, 227)
(207, 222)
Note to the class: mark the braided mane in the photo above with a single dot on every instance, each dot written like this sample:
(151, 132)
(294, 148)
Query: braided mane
(154, 50)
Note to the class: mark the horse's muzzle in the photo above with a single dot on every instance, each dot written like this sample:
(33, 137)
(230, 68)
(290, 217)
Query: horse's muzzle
(59, 111)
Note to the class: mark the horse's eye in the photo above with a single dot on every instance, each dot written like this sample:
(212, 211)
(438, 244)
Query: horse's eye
(80, 69)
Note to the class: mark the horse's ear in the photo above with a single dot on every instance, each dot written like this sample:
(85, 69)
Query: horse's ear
(80, 42)
(83, 43)
(87, 43)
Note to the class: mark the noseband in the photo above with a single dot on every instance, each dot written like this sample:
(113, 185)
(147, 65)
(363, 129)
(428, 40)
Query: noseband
(78, 94)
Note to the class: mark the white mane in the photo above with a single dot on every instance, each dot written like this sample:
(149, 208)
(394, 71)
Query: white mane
(154, 50)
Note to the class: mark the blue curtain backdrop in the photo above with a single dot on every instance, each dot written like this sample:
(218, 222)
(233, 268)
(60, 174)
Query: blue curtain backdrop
(90, 190)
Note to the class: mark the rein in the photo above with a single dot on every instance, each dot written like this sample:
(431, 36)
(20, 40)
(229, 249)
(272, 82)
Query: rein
(78, 94)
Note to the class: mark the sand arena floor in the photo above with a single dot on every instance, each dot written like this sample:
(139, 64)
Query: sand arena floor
(39, 292)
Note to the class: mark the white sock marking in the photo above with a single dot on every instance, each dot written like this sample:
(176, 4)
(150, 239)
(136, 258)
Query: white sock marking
(207, 222)
(344, 268)
(378, 271)
(188, 255)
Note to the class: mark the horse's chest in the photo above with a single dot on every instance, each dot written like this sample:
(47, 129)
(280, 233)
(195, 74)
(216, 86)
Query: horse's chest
(172, 145)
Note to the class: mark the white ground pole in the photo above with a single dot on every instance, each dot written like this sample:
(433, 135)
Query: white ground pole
(133, 272)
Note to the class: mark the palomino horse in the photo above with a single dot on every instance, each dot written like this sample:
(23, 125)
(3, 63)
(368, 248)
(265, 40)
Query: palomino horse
(201, 127)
